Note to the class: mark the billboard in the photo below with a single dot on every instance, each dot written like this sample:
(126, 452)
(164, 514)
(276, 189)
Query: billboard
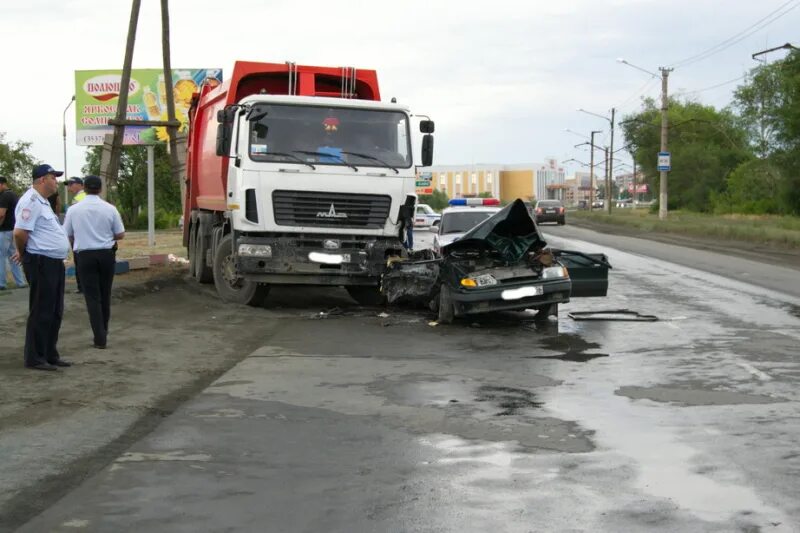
(97, 94)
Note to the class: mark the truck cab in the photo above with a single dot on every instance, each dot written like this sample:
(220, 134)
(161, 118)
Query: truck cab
(309, 189)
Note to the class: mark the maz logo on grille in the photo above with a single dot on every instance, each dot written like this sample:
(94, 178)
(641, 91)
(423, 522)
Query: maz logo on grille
(331, 213)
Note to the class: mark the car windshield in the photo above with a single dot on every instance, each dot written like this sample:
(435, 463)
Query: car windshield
(329, 136)
(463, 221)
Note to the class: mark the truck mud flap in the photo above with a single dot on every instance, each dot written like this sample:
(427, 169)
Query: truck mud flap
(588, 272)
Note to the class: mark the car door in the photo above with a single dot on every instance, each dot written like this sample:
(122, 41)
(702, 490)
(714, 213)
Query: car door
(588, 272)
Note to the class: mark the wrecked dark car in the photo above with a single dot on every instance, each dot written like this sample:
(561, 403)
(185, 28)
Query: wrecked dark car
(501, 264)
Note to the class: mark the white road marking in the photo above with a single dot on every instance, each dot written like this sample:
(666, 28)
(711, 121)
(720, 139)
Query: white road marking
(763, 376)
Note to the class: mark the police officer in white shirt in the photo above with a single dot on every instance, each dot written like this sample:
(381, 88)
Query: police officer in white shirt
(94, 227)
(42, 247)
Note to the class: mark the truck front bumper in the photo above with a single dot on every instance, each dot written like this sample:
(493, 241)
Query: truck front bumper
(314, 259)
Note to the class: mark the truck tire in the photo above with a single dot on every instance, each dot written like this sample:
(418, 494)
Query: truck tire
(447, 311)
(230, 287)
(192, 250)
(366, 295)
(202, 272)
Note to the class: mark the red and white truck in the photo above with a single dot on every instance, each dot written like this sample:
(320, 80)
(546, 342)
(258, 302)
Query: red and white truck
(299, 175)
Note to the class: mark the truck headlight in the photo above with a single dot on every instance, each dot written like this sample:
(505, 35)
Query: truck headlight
(554, 272)
(483, 280)
(255, 250)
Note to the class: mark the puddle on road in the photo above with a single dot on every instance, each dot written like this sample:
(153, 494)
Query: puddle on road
(573, 348)
(509, 399)
(693, 397)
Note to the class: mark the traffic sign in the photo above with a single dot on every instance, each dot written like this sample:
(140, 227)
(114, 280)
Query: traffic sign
(664, 162)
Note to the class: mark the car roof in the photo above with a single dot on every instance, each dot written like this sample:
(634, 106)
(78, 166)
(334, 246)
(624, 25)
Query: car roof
(466, 208)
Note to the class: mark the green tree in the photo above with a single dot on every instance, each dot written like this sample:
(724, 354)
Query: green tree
(129, 193)
(438, 200)
(16, 162)
(769, 105)
(706, 145)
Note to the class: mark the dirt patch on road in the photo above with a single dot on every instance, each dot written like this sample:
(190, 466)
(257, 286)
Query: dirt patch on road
(169, 338)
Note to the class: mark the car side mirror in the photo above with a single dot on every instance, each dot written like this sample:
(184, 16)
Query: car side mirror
(427, 150)
(426, 126)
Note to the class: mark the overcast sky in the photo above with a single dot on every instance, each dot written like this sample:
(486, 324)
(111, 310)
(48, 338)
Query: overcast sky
(501, 79)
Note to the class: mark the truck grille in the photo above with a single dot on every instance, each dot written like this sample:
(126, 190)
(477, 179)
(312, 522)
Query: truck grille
(330, 210)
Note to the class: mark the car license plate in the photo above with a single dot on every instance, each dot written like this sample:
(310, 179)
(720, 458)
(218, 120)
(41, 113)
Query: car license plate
(550, 210)
(522, 292)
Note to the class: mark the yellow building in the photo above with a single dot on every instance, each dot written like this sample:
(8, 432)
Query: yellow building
(507, 182)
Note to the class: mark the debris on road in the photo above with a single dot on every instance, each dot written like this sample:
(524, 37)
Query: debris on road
(620, 315)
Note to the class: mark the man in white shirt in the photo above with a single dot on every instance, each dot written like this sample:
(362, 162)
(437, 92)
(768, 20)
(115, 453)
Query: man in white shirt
(94, 227)
(42, 247)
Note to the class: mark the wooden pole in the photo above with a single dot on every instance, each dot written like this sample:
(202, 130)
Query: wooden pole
(172, 130)
(112, 171)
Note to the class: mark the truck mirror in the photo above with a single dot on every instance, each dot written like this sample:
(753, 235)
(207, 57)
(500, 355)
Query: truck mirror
(221, 116)
(427, 150)
(426, 126)
(224, 139)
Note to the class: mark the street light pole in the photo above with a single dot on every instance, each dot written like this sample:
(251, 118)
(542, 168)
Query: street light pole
(591, 170)
(64, 134)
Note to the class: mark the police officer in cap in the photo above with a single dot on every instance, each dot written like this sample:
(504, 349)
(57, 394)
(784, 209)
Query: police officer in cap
(94, 227)
(42, 247)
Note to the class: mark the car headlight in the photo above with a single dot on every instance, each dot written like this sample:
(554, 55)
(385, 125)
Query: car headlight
(255, 250)
(483, 280)
(555, 272)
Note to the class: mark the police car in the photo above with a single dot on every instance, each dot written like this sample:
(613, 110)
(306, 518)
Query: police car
(462, 215)
(426, 217)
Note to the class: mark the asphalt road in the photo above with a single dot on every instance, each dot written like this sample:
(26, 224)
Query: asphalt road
(345, 419)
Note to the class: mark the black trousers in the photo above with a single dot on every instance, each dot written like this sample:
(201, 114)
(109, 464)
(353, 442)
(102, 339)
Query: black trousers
(45, 307)
(96, 268)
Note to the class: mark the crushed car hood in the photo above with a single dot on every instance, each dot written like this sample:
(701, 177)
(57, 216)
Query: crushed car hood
(511, 232)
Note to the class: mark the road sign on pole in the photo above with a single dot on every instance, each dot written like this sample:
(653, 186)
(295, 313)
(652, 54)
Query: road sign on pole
(664, 162)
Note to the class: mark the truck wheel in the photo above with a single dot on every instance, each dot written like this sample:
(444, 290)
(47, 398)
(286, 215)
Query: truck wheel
(545, 312)
(192, 252)
(446, 308)
(230, 287)
(202, 272)
(366, 295)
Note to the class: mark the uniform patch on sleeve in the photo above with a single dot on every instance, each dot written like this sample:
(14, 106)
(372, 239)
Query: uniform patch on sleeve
(26, 214)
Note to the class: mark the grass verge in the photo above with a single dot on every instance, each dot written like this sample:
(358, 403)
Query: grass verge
(779, 231)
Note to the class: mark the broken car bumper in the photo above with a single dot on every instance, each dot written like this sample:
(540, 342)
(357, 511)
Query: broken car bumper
(510, 296)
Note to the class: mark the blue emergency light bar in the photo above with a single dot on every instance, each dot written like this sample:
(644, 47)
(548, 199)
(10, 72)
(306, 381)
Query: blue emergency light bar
(474, 201)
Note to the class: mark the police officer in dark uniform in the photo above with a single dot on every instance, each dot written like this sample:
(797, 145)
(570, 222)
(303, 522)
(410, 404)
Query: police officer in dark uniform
(42, 247)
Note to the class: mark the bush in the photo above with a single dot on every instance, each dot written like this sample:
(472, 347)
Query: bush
(164, 220)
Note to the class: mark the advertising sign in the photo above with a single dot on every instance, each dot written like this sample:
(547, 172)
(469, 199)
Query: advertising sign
(423, 183)
(97, 94)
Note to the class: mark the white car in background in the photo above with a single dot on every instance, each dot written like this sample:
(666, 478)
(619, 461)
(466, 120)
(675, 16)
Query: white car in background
(426, 217)
(460, 218)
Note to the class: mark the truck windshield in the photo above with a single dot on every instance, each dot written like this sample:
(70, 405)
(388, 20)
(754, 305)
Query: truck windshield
(329, 136)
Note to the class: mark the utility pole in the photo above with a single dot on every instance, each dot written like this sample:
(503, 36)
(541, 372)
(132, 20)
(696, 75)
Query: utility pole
(591, 170)
(635, 195)
(610, 162)
(605, 168)
(110, 165)
(662, 193)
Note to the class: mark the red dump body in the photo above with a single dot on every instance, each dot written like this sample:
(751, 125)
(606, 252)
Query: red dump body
(206, 172)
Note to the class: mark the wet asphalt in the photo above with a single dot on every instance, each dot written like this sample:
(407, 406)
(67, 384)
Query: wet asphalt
(348, 420)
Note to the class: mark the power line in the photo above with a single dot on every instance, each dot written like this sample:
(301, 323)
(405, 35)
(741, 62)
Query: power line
(753, 28)
(640, 91)
(743, 76)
